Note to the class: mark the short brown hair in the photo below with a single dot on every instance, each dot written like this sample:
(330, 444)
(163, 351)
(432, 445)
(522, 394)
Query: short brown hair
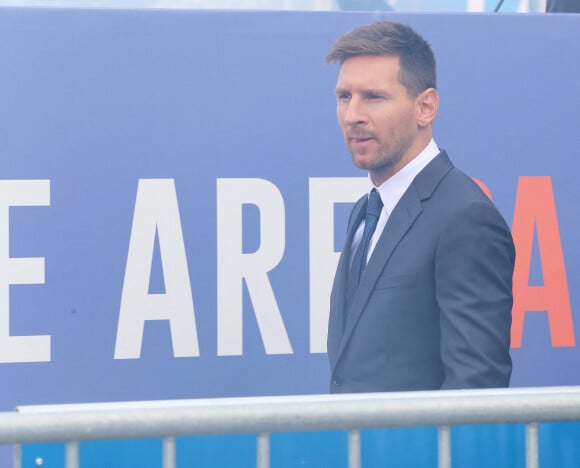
(394, 39)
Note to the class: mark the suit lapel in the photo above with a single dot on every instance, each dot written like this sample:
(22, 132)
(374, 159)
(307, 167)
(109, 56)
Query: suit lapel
(400, 221)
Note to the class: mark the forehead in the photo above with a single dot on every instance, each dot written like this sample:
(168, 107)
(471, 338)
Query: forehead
(369, 71)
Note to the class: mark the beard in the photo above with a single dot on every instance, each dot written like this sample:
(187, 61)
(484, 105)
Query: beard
(379, 158)
(382, 151)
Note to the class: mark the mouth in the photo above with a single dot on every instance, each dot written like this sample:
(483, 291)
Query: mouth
(359, 140)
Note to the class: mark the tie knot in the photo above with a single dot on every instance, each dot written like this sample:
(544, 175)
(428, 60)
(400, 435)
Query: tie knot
(374, 204)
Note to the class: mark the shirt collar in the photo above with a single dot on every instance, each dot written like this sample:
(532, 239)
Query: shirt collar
(392, 189)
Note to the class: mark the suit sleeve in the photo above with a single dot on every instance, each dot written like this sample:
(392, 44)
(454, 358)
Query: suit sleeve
(473, 279)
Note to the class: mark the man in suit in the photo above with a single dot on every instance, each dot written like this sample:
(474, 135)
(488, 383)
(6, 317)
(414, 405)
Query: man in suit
(423, 299)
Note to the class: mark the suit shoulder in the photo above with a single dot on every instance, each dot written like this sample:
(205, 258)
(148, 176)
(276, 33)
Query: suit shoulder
(458, 193)
(456, 183)
(460, 201)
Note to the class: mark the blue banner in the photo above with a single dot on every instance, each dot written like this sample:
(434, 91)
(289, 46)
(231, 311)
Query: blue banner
(174, 191)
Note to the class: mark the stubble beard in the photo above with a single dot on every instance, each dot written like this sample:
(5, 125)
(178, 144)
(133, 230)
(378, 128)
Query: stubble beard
(383, 163)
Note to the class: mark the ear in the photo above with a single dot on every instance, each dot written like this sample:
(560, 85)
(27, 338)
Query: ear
(427, 105)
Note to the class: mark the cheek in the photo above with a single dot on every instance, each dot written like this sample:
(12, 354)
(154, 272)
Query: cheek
(390, 127)
(340, 117)
(342, 124)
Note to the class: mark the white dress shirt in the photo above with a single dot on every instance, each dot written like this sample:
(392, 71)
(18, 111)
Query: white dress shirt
(391, 191)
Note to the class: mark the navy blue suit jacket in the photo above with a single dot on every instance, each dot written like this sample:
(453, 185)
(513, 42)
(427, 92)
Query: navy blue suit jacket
(433, 309)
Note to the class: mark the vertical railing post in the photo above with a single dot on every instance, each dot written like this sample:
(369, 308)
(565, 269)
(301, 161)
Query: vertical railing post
(72, 455)
(168, 452)
(444, 446)
(263, 450)
(532, 453)
(354, 448)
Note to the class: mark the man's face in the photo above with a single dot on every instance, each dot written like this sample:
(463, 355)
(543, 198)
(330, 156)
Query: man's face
(378, 117)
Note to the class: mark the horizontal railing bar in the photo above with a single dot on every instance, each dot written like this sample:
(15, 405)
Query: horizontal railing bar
(288, 413)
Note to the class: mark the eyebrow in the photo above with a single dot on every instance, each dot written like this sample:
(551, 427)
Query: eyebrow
(366, 91)
(375, 91)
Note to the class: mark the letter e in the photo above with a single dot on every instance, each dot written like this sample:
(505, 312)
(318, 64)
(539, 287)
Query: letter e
(20, 271)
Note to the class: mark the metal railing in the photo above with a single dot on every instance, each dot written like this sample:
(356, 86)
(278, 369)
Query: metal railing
(263, 415)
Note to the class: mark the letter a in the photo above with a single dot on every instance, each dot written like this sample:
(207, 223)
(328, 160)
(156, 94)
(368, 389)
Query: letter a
(156, 209)
(535, 206)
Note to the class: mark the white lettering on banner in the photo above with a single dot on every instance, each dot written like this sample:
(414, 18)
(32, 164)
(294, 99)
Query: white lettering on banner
(20, 271)
(234, 266)
(324, 193)
(156, 210)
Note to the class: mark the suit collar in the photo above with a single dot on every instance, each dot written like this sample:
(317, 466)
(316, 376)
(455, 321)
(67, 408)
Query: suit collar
(429, 178)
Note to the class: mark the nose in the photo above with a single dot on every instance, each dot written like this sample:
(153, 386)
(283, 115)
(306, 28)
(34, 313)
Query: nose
(354, 113)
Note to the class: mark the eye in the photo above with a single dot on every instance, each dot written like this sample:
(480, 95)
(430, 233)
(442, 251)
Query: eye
(342, 96)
